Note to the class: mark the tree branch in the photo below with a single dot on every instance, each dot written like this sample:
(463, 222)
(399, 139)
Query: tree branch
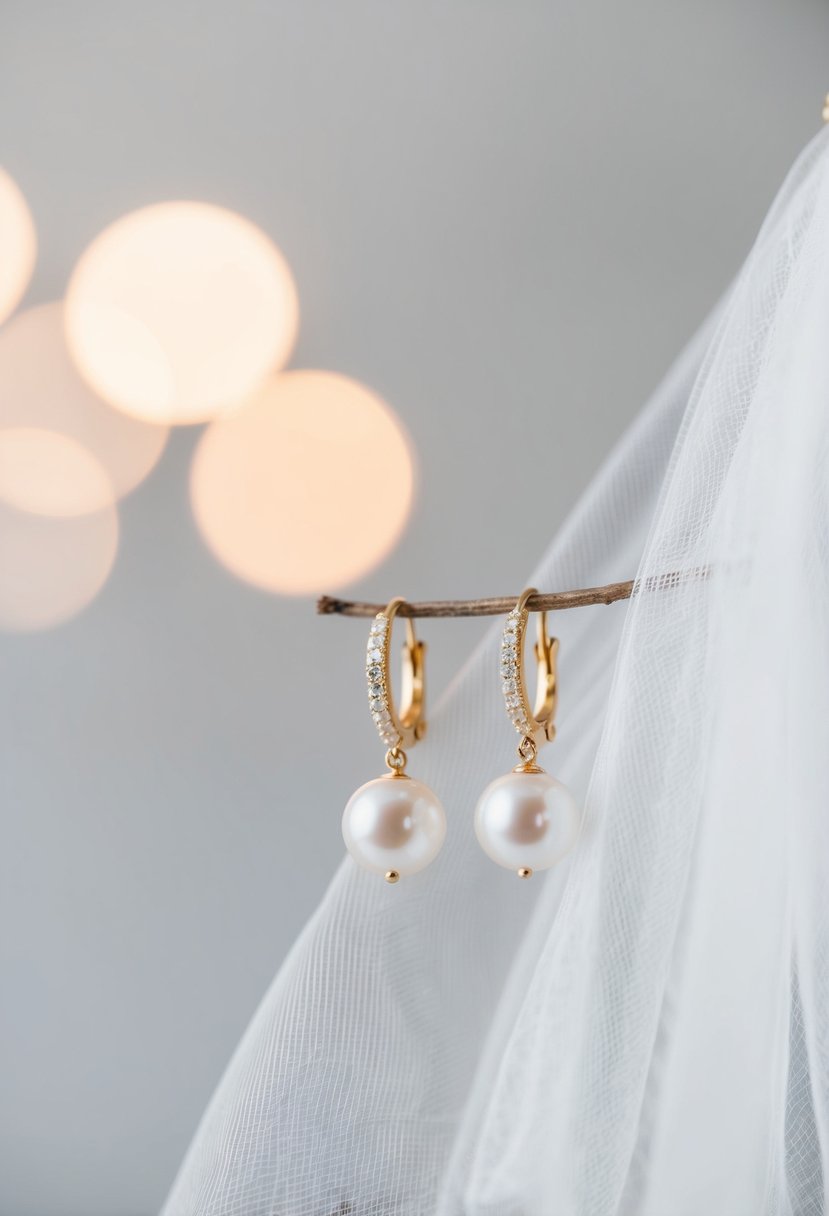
(329, 605)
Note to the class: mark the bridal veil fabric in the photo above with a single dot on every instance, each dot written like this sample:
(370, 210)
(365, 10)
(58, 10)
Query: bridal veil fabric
(644, 1031)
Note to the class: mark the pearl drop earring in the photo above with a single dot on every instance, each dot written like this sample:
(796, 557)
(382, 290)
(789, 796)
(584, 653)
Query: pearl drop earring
(395, 825)
(526, 820)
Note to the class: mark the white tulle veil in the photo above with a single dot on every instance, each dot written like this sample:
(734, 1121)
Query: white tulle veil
(645, 1030)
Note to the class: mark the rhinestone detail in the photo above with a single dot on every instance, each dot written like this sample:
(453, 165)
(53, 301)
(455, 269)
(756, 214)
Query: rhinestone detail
(512, 679)
(377, 679)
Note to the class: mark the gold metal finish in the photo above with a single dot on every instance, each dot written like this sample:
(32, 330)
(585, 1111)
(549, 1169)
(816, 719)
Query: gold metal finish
(826, 108)
(409, 721)
(396, 761)
(542, 716)
(525, 872)
(393, 876)
(528, 766)
(528, 751)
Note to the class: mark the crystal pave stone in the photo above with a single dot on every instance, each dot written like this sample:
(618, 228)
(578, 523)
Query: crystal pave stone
(377, 667)
(515, 697)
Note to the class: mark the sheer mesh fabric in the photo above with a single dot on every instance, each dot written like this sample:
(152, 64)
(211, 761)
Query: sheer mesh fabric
(643, 1031)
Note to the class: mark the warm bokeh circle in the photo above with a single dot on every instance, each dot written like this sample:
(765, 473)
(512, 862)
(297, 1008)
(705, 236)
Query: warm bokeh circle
(52, 568)
(178, 311)
(47, 473)
(307, 487)
(41, 391)
(18, 245)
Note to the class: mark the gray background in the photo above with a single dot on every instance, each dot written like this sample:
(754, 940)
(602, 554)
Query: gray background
(506, 217)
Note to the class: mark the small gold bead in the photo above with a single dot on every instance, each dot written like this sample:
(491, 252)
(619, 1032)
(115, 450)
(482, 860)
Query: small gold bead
(393, 876)
(525, 872)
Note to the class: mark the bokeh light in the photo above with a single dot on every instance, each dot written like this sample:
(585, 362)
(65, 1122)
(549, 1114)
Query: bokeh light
(178, 311)
(40, 388)
(18, 245)
(52, 568)
(307, 487)
(49, 474)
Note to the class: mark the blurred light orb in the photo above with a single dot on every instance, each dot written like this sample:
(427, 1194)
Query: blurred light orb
(178, 311)
(47, 473)
(40, 390)
(18, 245)
(307, 487)
(52, 568)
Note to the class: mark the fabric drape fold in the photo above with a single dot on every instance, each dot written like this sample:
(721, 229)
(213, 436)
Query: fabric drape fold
(645, 1030)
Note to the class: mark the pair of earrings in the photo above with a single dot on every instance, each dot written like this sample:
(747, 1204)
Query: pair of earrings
(525, 820)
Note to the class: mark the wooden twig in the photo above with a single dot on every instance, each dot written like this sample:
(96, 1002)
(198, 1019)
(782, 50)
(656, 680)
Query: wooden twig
(329, 605)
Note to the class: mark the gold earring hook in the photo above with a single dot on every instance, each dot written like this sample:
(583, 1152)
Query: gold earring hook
(537, 724)
(412, 678)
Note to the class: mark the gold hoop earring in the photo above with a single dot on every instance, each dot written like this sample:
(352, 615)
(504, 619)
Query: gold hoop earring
(395, 825)
(527, 820)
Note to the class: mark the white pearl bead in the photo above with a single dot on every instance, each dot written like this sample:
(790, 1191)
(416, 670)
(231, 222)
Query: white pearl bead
(527, 821)
(394, 824)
